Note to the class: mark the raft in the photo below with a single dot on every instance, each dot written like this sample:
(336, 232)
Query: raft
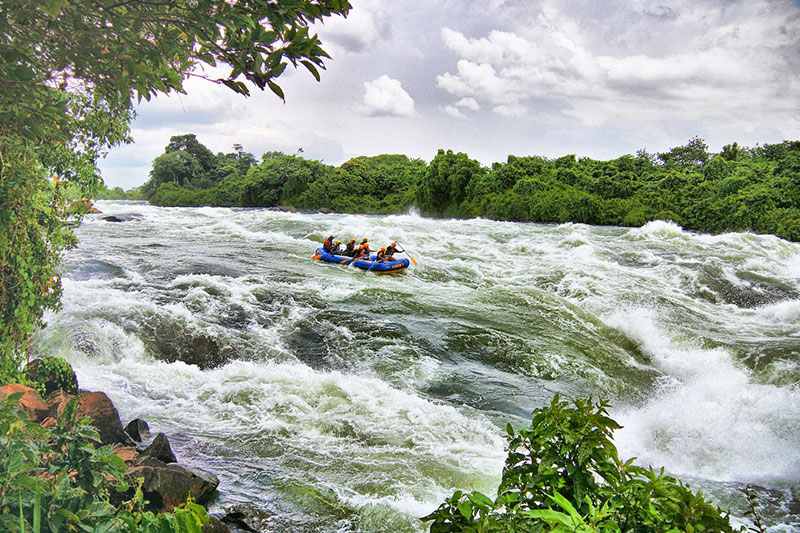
(366, 264)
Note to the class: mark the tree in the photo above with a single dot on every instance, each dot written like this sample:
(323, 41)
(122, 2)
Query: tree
(444, 185)
(70, 72)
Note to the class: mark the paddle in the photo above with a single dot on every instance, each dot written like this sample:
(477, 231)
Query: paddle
(408, 254)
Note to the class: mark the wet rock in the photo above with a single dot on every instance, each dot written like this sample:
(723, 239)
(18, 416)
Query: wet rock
(103, 415)
(325, 210)
(138, 430)
(30, 402)
(160, 449)
(122, 217)
(288, 208)
(247, 518)
(169, 485)
(215, 525)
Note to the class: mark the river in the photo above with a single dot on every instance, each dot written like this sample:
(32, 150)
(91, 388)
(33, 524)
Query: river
(333, 399)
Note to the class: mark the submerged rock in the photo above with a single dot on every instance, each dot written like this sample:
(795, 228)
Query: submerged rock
(122, 217)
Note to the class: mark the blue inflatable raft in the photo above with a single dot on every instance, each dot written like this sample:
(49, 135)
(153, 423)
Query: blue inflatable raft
(367, 264)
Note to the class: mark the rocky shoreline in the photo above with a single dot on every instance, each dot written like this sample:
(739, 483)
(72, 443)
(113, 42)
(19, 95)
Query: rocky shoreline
(166, 483)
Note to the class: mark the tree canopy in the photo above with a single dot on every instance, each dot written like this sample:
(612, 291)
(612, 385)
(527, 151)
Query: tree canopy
(738, 189)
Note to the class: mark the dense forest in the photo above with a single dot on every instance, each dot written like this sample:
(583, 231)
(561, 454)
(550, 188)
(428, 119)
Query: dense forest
(738, 189)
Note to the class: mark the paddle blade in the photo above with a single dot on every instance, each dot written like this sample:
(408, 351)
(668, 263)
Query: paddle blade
(412, 259)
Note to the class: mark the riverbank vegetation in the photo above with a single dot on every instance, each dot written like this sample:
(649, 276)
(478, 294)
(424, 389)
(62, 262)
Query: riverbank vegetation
(738, 189)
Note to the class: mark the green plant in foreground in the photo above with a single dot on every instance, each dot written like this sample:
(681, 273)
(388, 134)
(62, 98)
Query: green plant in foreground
(563, 474)
(54, 480)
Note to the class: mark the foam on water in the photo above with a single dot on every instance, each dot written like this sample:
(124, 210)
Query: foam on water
(707, 417)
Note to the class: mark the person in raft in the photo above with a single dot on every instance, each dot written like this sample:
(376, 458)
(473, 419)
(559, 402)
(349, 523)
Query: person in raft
(363, 249)
(337, 248)
(350, 249)
(391, 249)
(382, 256)
(327, 245)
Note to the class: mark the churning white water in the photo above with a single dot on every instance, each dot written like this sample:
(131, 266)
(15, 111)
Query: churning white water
(333, 399)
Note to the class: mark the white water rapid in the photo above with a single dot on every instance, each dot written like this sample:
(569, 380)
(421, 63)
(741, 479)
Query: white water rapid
(333, 399)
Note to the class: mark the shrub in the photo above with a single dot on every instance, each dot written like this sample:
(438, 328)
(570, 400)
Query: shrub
(49, 374)
(563, 474)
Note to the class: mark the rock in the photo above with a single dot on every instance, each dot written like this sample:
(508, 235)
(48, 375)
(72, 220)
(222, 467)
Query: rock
(129, 454)
(246, 517)
(160, 449)
(288, 208)
(214, 525)
(52, 372)
(57, 401)
(30, 402)
(169, 485)
(325, 210)
(122, 217)
(138, 430)
(104, 416)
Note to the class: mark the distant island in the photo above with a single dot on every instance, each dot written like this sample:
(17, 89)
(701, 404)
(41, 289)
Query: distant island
(738, 189)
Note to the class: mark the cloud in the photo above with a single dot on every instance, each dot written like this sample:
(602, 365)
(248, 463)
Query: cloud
(356, 33)
(682, 61)
(385, 97)
(453, 111)
(469, 103)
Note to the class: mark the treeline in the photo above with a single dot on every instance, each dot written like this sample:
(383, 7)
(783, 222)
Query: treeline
(738, 189)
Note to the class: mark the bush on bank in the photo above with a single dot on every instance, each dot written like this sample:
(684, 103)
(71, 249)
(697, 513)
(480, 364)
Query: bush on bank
(563, 474)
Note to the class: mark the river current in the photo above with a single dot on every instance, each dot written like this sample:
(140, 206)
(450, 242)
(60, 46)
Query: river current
(327, 398)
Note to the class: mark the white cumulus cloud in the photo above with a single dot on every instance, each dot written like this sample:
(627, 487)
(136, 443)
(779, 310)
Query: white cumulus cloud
(385, 96)
(682, 62)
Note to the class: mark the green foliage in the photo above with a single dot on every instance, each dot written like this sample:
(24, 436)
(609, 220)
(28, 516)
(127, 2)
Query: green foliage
(54, 480)
(51, 373)
(563, 474)
(736, 190)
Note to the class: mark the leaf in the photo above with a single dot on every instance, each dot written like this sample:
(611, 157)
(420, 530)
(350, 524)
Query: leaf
(275, 88)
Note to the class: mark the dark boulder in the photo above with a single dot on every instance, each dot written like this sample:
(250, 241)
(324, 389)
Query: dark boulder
(138, 430)
(122, 217)
(169, 485)
(160, 449)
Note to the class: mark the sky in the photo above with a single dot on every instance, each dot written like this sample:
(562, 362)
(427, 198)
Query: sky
(494, 78)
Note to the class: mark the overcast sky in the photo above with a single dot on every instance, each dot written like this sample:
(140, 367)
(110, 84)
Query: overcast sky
(492, 78)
